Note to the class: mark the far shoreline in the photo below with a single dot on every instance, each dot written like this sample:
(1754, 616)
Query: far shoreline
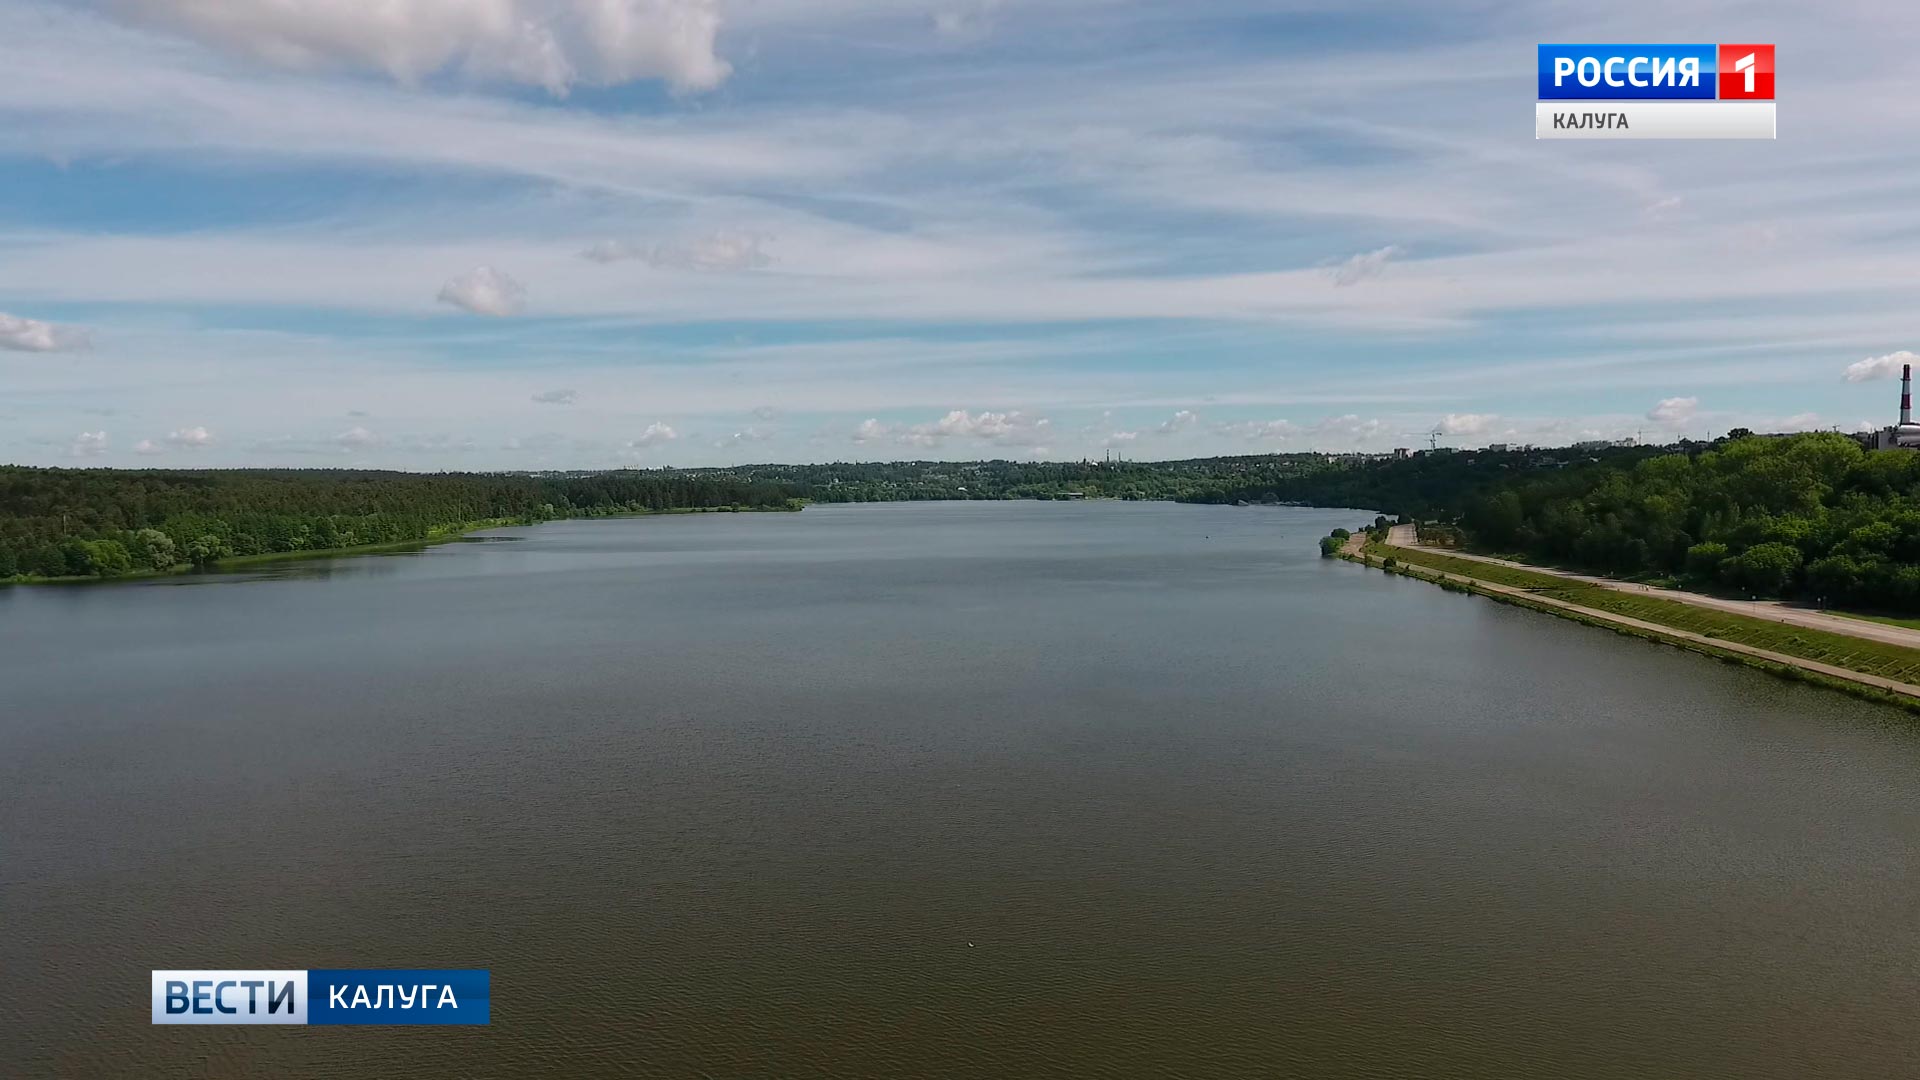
(239, 562)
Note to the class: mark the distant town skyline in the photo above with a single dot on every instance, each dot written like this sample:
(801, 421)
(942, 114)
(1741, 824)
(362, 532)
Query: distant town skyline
(709, 232)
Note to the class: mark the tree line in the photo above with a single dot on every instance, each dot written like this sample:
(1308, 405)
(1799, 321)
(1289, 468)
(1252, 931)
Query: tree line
(108, 522)
(1814, 516)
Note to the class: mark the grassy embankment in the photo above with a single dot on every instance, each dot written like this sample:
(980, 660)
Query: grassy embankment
(1888, 620)
(1837, 650)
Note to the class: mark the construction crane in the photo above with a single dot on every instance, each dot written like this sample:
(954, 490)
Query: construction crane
(1433, 437)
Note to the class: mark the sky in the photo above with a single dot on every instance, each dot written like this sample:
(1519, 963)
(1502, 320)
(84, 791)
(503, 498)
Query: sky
(531, 234)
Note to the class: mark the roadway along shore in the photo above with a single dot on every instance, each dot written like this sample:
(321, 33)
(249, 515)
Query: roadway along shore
(1770, 610)
(1354, 549)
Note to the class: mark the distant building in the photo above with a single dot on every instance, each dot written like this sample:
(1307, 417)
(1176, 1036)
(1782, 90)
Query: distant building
(1906, 434)
(1402, 452)
(1497, 448)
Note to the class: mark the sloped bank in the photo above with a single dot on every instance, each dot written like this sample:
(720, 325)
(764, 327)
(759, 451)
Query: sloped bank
(1860, 684)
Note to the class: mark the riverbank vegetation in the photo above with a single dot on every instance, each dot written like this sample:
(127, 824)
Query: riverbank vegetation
(90, 523)
(1812, 516)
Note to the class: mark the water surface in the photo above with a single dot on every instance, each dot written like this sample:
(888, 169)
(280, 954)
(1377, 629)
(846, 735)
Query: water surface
(991, 789)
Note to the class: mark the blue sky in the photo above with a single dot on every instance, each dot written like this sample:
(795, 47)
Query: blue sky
(477, 234)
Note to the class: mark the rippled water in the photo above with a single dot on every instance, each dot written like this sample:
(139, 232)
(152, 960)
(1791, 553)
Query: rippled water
(961, 790)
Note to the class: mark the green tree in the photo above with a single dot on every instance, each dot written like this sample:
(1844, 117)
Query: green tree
(207, 549)
(1704, 559)
(1835, 577)
(1764, 568)
(151, 547)
(108, 558)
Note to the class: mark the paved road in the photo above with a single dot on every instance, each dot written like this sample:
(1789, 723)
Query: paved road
(1771, 610)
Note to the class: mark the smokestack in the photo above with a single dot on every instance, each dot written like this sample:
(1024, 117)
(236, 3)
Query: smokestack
(1906, 394)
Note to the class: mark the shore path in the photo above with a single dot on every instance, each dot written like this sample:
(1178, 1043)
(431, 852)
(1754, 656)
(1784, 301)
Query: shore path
(1771, 610)
(1401, 539)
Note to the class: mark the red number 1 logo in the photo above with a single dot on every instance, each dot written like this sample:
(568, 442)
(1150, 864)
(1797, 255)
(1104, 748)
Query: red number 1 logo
(1746, 72)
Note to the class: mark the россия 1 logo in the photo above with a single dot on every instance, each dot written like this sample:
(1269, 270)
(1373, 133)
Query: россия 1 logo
(1654, 92)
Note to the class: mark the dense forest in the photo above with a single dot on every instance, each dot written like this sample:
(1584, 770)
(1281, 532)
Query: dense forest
(1813, 515)
(109, 522)
(1195, 480)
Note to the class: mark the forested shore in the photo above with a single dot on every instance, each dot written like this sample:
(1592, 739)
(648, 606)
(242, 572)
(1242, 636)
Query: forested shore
(1812, 516)
(89, 523)
(81, 523)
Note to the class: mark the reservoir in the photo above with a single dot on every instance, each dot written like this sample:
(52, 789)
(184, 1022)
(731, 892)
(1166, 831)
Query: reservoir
(958, 789)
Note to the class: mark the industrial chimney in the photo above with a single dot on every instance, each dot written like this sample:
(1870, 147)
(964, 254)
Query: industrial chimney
(1906, 394)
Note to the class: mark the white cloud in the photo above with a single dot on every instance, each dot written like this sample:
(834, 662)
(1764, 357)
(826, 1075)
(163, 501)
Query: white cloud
(89, 444)
(485, 291)
(356, 438)
(1262, 431)
(553, 44)
(1015, 429)
(148, 448)
(715, 252)
(1003, 429)
(192, 438)
(1367, 264)
(1880, 367)
(1466, 423)
(556, 397)
(1349, 428)
(1121, 438)
(32, 335)
(743, 437)
(966, 22)
(963, 423)
(1674, 411)
(1178, 422)
(655, 434)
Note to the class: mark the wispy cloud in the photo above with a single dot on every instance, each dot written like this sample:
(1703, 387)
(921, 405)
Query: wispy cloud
(1187, 210)
(547, 43)
(1358, 268)
(717, 251)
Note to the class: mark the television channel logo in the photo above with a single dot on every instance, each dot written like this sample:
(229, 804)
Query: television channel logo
(337, 996)
(1654, 91)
